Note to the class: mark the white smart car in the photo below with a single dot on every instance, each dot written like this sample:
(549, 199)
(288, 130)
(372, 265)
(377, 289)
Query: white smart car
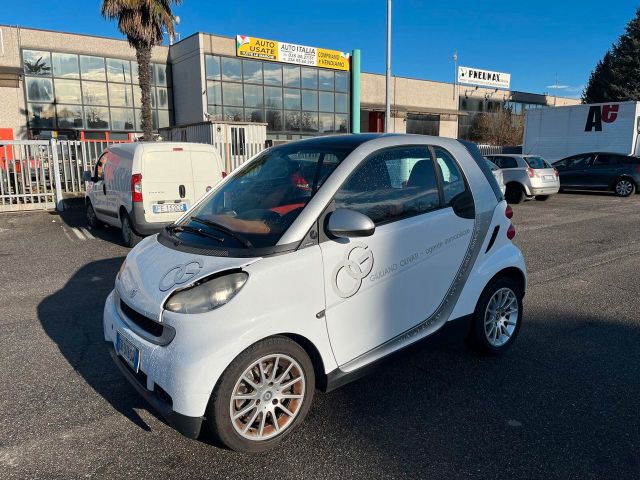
(312, 261)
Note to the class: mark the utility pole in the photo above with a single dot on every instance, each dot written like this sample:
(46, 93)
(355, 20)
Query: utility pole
(387, 113)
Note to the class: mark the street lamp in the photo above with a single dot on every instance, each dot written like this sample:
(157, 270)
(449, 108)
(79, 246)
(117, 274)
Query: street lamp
(387, 111)
(455, 73)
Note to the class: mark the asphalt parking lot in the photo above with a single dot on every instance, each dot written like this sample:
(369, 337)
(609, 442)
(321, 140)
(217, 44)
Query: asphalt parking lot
(562, 403)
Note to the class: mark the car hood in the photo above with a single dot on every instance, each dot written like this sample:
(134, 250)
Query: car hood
(153, 272)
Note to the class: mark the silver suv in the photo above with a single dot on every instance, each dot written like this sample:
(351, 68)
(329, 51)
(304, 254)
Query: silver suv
(527, 176)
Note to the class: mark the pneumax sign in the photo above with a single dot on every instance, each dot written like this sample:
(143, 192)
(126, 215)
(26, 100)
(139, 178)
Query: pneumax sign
(483, 78)
(260, 48)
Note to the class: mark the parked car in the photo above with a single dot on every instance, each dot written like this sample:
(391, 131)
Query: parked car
(527, 176)
(143, 187)
(497, 172)
(600, 171)
(309, 263)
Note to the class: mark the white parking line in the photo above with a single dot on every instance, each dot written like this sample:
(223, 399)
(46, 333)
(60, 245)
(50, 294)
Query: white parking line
(78, 233)
(87, 233)
(64, 230)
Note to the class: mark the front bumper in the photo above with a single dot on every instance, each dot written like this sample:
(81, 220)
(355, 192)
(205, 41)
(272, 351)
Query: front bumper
(172, 381)
(188, 426)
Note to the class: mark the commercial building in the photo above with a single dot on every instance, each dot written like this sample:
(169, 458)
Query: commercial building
(82, 86)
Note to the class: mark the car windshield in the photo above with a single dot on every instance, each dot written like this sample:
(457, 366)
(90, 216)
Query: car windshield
(537, 162)
(258, 203)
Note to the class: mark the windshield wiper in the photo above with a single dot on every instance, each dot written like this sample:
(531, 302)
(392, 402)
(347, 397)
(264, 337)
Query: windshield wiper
(244, 241)
(195, 231)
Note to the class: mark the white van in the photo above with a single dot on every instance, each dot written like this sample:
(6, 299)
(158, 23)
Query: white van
(143, 187)
(305, 267)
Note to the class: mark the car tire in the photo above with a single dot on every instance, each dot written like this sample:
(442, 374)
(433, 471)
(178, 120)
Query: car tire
(542, 198)
(129, 237)
(515, 194)
(624, 187)
(263, 422)
(90, 215)
(497, 318)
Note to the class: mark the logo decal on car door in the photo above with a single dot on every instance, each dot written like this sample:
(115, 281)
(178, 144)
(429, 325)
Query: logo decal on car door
(356, 264)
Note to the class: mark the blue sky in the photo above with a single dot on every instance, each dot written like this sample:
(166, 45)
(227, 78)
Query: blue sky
(532, 40)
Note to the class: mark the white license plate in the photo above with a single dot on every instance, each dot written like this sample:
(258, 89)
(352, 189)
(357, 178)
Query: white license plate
(170, 207)
(549, 177)
(128, 351)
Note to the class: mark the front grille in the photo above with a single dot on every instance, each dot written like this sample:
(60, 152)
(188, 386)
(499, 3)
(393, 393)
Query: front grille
(150, 326)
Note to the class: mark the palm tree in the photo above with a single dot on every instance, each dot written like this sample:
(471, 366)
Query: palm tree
(143, 22)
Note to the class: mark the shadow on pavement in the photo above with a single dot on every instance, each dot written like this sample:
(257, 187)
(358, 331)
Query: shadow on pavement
(72, 318)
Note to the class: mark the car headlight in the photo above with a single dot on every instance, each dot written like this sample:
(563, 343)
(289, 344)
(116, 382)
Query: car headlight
(208, 295)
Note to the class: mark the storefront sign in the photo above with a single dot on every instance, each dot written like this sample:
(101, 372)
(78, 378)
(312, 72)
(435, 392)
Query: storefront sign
(259, 48)
(484, 78)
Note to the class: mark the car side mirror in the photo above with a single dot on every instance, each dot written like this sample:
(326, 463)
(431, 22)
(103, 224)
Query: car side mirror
(86, 176)
(346, 223)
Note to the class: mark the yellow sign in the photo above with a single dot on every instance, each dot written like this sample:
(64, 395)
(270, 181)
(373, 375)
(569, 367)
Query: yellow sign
(259, 48)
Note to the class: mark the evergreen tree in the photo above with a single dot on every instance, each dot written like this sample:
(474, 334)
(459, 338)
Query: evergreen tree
(616, 77)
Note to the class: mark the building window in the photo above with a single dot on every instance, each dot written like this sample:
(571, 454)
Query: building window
(423, 124)
(107, 88)
(286, 97)
(36, 62)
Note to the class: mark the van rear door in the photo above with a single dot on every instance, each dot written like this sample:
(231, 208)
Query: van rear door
(206, 165)
(167, 184)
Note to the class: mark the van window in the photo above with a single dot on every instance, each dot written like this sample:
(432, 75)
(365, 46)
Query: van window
(450, 176)
(391, 185)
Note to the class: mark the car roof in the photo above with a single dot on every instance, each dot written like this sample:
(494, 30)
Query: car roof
(351, 140)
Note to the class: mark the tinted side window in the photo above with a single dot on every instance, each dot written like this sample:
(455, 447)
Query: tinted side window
(579, 161)
(391, 185)
(508, 162)
(606, 159)
(450, 175)
(629, 160)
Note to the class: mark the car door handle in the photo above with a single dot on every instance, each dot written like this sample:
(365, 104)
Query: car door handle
(182, 191)
(104, 188)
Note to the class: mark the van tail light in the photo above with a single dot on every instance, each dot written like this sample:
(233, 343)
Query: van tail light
(531, 172)
(136, 187)
(555, 170)
(508, 212)
(511, 232)
(224, 174)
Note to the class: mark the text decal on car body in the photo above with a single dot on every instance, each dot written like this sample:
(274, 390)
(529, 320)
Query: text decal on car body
(355, 266)
(180, 274)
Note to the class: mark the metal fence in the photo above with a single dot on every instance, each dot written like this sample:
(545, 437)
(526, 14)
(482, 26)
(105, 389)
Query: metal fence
(38, 174)
(497, 150)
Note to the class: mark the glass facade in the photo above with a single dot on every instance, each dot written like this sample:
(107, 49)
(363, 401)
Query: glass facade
(84, 92)
(294, 101)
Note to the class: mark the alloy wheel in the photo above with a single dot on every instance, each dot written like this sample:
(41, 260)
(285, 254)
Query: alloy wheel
(501, 317)
(624, 188)
(267, 397)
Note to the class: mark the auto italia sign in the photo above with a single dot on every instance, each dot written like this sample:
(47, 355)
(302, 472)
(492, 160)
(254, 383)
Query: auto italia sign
(483, 78)
(271, 50)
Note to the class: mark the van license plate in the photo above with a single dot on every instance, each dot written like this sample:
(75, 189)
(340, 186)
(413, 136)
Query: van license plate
(128, 351)
(170, 207)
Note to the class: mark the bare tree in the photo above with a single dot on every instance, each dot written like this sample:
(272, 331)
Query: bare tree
(500, 128)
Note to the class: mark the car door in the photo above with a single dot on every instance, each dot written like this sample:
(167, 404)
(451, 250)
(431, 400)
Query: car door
(574, 172)
(382, 286)
(98, 188)
(603, 170)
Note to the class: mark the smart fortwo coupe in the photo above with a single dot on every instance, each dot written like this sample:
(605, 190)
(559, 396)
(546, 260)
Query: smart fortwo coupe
(310, 262)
